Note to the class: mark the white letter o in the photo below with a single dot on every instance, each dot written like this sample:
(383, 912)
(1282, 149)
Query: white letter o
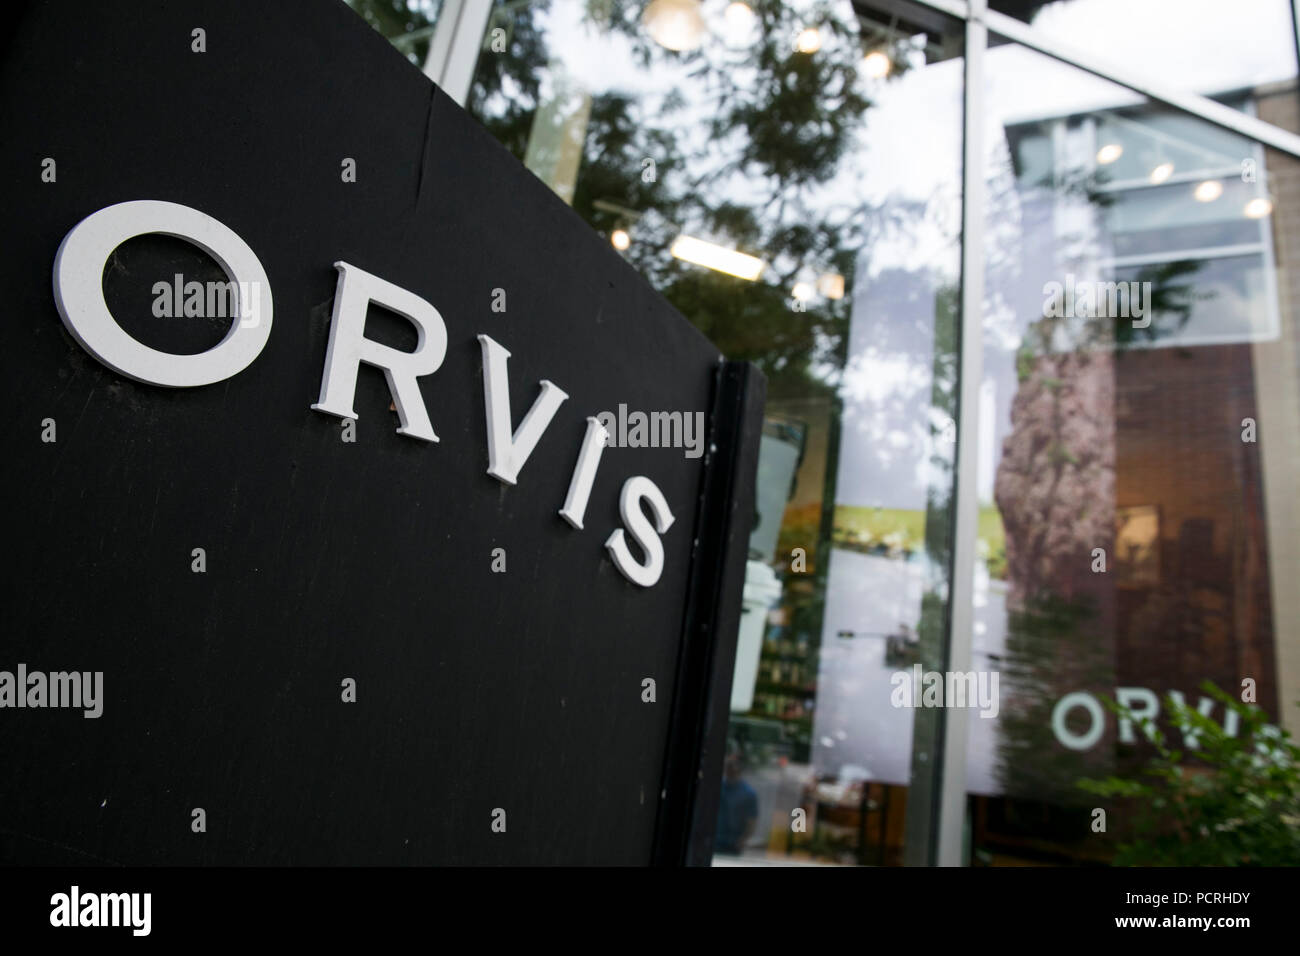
(1096, 717)
(79, 293)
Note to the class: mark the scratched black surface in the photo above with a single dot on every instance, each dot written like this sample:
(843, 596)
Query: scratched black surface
(326, 560)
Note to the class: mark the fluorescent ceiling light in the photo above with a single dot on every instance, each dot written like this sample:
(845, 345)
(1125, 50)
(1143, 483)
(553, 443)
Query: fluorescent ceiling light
(701, 253)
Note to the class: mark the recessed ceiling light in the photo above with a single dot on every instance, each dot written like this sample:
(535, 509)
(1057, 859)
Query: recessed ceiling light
(831, 285)
(877, 64)
(1109, 153)
(675, 24)
(1259, 207)
(1208, 191)
(809, 40)
(739, 16)
(1161, 173)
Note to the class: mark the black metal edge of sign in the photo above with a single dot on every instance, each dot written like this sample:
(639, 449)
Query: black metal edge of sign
(697, 728)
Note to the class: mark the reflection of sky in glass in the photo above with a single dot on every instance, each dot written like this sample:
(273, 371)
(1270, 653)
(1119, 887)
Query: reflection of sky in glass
(1029, 231)
(1040, 234)
(600, 62)
(1036, 233)
(1206, 46)
(906, 168)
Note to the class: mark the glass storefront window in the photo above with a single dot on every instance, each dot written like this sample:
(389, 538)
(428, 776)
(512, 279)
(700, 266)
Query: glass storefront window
(1138, 460)
(407, 24)
(822, 144)
(789, 176)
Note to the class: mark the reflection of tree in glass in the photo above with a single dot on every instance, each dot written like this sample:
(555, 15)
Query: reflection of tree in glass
(747, 143)
(1233, 800)
(1056, 480)
(932, 628)
(745, 140)
(407, 24)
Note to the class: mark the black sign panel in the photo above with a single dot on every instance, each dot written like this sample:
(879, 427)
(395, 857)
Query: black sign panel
(342, 644)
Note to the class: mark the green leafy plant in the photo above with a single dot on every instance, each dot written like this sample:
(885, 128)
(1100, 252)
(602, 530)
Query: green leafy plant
(1229, 801)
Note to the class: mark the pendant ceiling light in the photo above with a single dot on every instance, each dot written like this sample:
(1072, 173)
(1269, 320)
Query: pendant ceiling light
(675, 24)
(877, 64)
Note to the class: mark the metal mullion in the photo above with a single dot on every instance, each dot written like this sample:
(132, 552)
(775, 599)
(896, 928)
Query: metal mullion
(951, 816)
(1178, 255)
(1295, 30)
(454, 49)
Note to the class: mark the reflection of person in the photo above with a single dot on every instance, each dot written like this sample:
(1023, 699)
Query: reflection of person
(737, 807)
